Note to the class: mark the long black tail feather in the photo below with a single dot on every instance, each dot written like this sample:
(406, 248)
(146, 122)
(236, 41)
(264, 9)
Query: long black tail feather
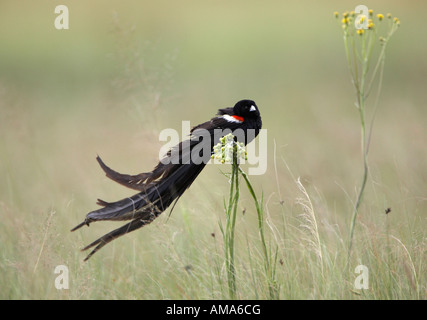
(142, 208)
(129, 227)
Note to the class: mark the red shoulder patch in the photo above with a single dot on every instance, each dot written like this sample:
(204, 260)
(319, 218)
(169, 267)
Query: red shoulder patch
(238, 118)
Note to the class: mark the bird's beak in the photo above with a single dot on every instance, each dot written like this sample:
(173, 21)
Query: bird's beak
(252, 108)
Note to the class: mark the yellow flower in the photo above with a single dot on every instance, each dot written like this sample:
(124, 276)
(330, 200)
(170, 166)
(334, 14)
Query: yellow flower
(389, 15)
(344, 21)
(380, 16)
(336, 14)
(371, 12)
(360, 31)
(396, 21)
(371, 25)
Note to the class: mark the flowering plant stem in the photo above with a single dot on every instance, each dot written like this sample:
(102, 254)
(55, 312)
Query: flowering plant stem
(269, 266)
(221, 151)
(359, 46)
(230, 214)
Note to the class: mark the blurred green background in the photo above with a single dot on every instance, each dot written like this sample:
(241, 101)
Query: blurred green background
(125, 70)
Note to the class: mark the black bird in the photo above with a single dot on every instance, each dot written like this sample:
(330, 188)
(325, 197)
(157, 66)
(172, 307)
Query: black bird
(167, 182)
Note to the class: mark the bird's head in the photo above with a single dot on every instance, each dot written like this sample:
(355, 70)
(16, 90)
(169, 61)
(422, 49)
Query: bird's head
(246, 109)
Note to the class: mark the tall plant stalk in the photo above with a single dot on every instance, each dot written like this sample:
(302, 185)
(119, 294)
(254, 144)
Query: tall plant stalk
(230, 218)
(269, 259)
(360, 36)
(222, 152)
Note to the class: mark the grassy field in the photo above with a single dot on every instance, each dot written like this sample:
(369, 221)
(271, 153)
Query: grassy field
(124, 71)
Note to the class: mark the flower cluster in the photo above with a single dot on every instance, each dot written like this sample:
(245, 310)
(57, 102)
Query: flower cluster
(223, 151)
(362, 32)
(349, 20)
